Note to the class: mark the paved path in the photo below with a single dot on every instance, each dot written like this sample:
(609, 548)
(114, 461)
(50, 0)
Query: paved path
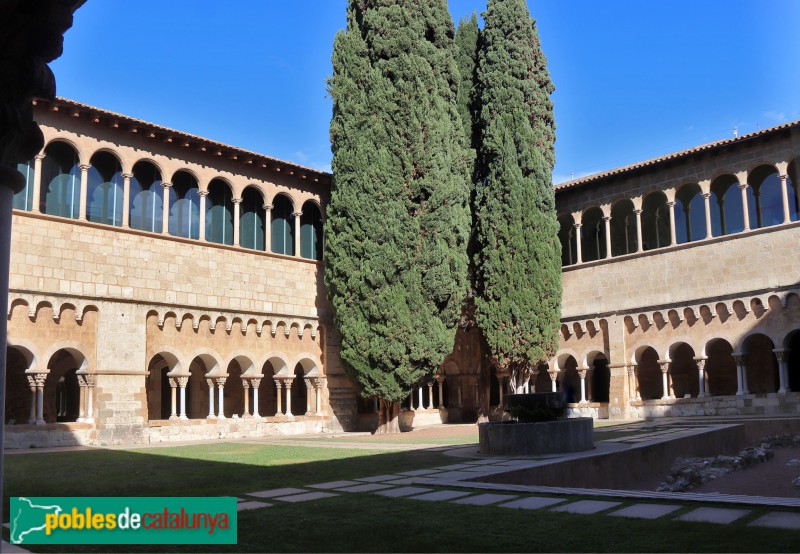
(448, 484)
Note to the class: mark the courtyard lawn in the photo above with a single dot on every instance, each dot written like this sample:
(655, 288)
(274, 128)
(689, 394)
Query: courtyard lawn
(357, 522)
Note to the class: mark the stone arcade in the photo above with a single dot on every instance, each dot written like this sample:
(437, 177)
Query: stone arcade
(168, 287)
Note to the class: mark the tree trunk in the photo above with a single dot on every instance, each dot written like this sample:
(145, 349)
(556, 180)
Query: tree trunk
(388, 417)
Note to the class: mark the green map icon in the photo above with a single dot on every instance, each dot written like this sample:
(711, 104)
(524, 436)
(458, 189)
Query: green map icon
(27, 517)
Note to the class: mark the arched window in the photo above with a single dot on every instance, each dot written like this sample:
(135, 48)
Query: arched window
(594, 235)
(566, 235)
(61, 181)
(146, 198)
(793, 189)
(184, 206)
(655, 221)
(219, 213)
(690, 214)
(23, 200)
(730, 215)
(766, 188)
(251, 220)
(104, 190)
(282, 226)
(623, 229)
(311, 232)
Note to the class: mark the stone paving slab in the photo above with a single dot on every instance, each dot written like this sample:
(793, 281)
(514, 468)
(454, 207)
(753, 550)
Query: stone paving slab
(486, 461)
(484, 499)
(454, 475)
(251, 505)
(418, 472)
(402, 491)
(532, 503)
(365, 487)
(586, 506)
(441, 495)
(334, 485)
(8, 547)
(306, 497)
(404, 481)
(454, 466)
(646, 511)
(272, 493)
(713, 515)
(782, 520)
(483, 469)
(379, 478)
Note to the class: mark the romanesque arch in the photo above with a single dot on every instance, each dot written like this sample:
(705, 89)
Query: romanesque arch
(61, 181)
(105, 189)
(146, 197)
(219, 212)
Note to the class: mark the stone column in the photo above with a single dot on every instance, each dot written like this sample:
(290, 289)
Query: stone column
(256, 383)
(607, 221)
(701, 376)
(165, 209)
(221, 397)
(279, 397)
(664, 379)
(430, 396)
(553, 377)
(237, 202)
(32, 385)
(84, 191)
(440, 380)
(126, 199)
(210, 383)
(268, 228)
(410, 399)
(589, 380)
(37, 183)
(673, 239)
(501, 380)
(639, 245)
(783, 357)
(582, 375)
(81, 398)
(288, 386)
(631, 382)
(202, 219)
(741, 374)
(173, 385)
(40, 379)
(578, 252)
(90, 380)
(785, 198)
(309, 400)
(707, 206)
(318, 383)
(182, 382)
(297, 216)
(246, 387)
(746, 212)
(421, 404)
(759, 216)
(532, 380)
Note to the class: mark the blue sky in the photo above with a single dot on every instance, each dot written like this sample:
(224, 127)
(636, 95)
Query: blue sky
(634, 78)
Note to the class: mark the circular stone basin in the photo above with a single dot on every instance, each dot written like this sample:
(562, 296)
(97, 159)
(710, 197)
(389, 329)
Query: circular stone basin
(504, 438)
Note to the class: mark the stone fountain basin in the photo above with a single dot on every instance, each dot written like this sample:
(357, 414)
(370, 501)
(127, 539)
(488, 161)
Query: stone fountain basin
(512, 438)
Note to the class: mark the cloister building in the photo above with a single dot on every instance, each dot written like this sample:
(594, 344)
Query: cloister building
(168, 287)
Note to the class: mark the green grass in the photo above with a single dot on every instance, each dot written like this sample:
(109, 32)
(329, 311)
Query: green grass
(353, 522)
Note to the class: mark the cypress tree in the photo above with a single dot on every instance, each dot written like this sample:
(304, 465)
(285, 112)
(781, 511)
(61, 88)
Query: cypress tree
(467, 44)
(517, 257)
(398, 217)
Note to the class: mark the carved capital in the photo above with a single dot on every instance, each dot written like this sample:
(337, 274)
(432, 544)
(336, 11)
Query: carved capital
(183, 381)
(85, 167)
(267, 207)
(553, 375)
(210, 383)
(90, 379)
(582, 373)
(202, 193)
(308, 383)
(319, 382)
(781, 355)
(256, 383)
(664, 366)
(740, 359)
(221, 381)
(166, 185)
(298, 214)
(278, 383)
(245, 384)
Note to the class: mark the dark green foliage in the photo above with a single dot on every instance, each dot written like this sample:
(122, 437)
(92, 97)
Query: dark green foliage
(517, 258)
(467, 44)
(398, 218)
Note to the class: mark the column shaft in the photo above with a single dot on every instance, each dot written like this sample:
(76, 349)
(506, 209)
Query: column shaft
(126, 199)
(84, 190)
(297, 216)
(785, 198)
(578, 252)
(211, 414)
(165, 209)
(639, 245)
(673, 239)
(288, 386)
(278, 396)
(707, 207)
(37, 183)
(745, 211)
(237, 202)
(202, 219)
(607, 221)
